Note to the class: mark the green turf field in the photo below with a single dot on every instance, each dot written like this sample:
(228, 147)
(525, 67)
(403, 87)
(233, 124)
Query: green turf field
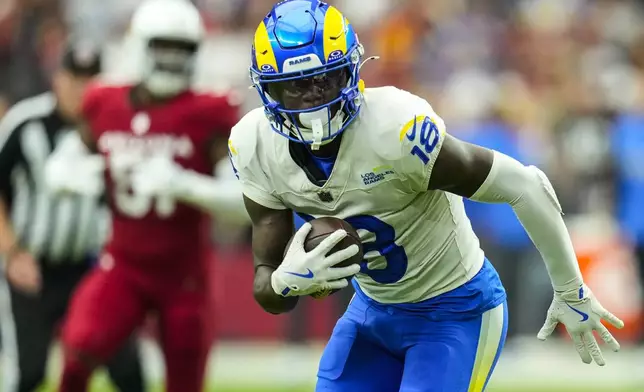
(310, 389)
(515, 389)
(100, 384)
(257, 368)
(104, 388)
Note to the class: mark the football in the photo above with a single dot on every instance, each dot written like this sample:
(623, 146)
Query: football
(324, 227)
(321, 229)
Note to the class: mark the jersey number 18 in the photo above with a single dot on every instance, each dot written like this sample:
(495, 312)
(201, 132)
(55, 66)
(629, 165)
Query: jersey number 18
(428, 138)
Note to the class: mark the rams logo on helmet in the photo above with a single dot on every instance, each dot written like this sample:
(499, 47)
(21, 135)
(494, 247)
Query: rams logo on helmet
(300, 61)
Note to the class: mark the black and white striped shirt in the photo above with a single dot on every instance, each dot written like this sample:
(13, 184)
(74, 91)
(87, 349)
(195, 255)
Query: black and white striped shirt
(55, 228)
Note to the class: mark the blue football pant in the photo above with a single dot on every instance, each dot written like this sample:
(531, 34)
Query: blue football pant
(385, 350)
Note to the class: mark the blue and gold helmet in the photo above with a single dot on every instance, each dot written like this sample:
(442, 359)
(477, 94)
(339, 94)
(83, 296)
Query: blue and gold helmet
(305, 67)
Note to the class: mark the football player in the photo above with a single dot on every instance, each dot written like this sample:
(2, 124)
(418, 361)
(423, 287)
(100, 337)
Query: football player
(158, 142)
(429, 312)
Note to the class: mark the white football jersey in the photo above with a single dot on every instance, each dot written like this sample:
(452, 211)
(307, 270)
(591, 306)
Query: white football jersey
(418, 243)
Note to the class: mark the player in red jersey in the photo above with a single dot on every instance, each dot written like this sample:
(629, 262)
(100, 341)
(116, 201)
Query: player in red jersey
(157, 142)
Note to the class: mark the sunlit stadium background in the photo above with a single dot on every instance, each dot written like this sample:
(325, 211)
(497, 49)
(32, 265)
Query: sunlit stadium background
(556, 83)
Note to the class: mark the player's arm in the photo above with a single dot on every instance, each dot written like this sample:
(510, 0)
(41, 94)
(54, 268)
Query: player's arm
(73, 167)
(492, 177)
(489, 176)
(272, 230)
(218, 193)
(281, 273)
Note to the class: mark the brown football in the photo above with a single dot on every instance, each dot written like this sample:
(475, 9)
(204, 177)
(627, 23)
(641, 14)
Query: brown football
(324, 227)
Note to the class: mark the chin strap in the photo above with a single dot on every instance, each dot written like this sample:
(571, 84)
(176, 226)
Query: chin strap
(318, 134)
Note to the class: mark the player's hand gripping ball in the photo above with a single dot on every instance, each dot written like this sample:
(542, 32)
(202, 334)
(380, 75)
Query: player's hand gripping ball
(321, 229)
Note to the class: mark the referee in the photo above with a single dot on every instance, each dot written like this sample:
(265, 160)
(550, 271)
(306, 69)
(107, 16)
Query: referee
(47, 242)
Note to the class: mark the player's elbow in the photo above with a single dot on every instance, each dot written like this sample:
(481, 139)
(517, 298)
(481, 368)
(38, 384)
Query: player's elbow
(531, 187)
(540, 192)
(525, 188)
(266, 303)
(269, 301)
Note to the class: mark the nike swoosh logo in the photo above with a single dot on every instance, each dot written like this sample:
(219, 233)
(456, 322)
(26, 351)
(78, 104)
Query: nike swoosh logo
(583, 315)
(308, 275)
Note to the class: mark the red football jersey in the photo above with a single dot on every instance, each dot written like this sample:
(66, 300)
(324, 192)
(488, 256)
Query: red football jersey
(145, 228)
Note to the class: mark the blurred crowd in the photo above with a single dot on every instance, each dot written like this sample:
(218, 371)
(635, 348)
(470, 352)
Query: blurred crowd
(558, 84)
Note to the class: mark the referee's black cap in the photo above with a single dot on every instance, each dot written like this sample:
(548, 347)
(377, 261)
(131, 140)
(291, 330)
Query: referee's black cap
(82, 59)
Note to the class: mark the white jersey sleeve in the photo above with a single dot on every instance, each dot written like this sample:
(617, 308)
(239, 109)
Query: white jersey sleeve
(409, 135)
(243, 148)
